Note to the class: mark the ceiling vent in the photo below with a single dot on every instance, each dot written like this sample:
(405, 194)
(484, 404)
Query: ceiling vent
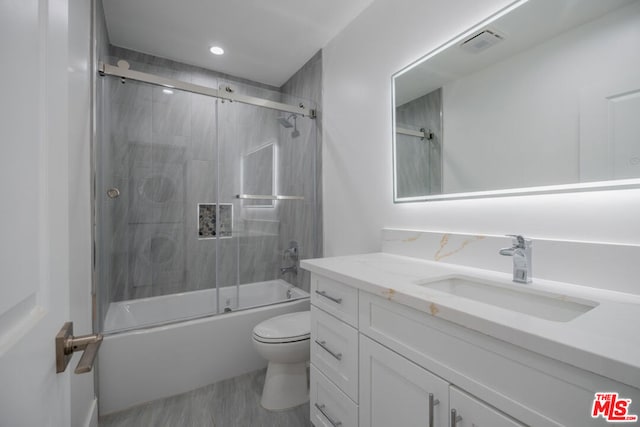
(482, 40)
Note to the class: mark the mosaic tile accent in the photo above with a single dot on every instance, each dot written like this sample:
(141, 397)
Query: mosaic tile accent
(208, 221)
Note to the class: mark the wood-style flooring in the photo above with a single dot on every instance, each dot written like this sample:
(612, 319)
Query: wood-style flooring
(230, 403)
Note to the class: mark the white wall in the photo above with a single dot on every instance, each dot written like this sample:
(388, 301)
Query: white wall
(357, 177)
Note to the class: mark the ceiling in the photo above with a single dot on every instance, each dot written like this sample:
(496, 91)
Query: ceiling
(264, 41)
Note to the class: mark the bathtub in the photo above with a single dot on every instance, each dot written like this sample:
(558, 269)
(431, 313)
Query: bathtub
(189, 351)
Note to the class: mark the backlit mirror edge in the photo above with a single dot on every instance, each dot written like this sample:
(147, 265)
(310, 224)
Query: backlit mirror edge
(621, 184)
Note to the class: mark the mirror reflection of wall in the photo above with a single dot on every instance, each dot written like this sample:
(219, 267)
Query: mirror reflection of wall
(258, 175)
(553, 102)
(420, 157)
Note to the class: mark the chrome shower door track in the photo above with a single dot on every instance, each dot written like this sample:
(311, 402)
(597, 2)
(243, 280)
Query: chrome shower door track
(122, 72)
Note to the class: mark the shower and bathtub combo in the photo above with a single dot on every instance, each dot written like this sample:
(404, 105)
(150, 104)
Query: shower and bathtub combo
(205, 202)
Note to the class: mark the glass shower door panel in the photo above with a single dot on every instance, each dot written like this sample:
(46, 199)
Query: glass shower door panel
(296, 176)
(156, 163)
(264, 153)
(228, 223)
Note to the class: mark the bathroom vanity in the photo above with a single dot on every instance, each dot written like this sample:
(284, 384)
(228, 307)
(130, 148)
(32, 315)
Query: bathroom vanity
(401, 341)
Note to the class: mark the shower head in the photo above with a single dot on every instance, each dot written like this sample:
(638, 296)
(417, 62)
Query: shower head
(285, 122)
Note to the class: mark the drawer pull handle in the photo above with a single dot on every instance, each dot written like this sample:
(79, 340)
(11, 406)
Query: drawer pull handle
(323, 344)
(432, 402)
(329, 297)
(455, 418)
(331, 421)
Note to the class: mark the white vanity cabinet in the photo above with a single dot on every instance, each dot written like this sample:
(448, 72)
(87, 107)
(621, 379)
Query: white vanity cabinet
(400, 366)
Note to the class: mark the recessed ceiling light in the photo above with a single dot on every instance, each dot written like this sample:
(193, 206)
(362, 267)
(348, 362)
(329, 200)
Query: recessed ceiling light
(216, 50)
(167, 91)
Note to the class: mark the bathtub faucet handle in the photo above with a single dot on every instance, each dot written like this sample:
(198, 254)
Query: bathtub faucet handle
(292, 250)
(292, 253)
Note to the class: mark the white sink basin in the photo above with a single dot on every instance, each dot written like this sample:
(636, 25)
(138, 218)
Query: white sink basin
(514, 297)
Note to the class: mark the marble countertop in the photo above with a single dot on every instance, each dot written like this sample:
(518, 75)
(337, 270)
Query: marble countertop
(605, 340)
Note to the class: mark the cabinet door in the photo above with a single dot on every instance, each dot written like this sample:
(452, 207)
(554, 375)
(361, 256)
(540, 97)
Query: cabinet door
(473, 413)
(396, 392)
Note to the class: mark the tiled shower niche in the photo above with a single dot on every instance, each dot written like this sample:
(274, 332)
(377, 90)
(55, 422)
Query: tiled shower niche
(212, 224)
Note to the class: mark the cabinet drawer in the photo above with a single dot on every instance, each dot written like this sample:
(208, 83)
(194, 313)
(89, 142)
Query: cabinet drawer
(329, 406)
(335, 298)
(334, 351)
(473, 412)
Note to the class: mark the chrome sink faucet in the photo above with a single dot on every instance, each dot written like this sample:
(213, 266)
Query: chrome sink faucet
(521, 253)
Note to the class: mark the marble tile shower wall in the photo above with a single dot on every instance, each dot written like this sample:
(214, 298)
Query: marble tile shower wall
(302, 156)
(413, 178)
(169, 152)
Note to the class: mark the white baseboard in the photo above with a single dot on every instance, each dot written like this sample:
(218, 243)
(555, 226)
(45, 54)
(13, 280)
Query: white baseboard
(92, 415)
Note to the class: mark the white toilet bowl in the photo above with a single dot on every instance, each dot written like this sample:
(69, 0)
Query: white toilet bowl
(284, 342)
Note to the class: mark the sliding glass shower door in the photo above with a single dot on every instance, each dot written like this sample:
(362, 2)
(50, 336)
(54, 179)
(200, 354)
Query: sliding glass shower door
(155, 160)
(267, 188)
(196, 196)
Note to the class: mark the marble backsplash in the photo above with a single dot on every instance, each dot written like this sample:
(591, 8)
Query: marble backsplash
(607, 266)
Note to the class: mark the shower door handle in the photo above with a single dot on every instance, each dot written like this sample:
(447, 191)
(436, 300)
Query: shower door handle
(67, 344)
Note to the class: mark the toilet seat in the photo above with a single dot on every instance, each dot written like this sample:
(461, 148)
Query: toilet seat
(284, 329)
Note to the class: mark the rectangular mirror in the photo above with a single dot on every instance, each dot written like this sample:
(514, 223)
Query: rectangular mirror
(542, 97)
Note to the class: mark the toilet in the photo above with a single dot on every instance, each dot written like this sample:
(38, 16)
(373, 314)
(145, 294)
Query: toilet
(284, 342)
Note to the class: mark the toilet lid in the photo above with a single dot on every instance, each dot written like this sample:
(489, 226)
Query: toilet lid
(288, 327)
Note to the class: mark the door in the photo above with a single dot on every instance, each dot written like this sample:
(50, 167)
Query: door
(609, 129)
(396, 392)
(34, 211)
